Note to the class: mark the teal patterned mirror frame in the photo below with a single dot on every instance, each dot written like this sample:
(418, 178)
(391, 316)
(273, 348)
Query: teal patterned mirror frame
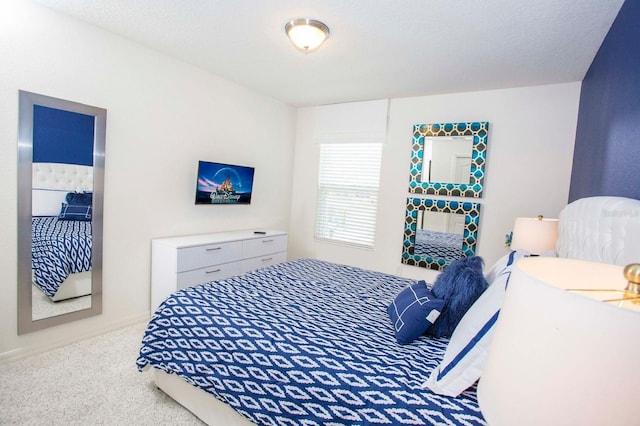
(471, 212)
(479, 131)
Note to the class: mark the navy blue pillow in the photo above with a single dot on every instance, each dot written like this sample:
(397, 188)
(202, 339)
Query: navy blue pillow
(413, 311)
(75, 212)
(459, 285)
(79, 198)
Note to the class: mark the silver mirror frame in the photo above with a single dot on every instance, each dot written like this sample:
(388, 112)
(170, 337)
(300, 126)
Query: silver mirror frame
(27, 100)
(479, 130)
(471, 212)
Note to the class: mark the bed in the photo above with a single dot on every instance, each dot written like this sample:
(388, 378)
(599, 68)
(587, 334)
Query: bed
(309, 342)
(61, 235)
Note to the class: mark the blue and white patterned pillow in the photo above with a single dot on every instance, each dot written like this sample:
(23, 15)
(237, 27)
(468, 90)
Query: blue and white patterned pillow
(75, 212)
(413, 311)
(468, 348)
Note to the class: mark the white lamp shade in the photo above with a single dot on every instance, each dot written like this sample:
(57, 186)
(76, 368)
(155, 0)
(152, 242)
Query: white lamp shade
(558, 357)
(534, 235)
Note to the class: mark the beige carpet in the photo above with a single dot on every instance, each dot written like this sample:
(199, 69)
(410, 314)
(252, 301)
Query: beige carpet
(93, 382)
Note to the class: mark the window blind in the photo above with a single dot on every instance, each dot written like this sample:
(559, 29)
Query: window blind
(348, 192)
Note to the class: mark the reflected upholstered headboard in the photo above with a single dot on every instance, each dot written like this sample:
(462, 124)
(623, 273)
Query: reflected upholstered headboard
(600, 229)
(52, 181)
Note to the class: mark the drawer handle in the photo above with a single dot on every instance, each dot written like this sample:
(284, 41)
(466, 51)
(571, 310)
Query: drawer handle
(267, 241)
(212, 272)
(214, 248)
(267, 259)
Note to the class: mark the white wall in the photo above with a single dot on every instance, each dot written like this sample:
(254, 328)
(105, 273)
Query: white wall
(530, 151)
(162, 117)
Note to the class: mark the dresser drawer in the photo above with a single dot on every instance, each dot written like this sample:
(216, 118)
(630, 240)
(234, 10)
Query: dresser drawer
(261, 246)
(211, 273)
(262, 261)
(190, 258)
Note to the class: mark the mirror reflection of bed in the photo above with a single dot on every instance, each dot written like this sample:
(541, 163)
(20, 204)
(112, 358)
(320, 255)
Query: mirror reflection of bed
(61, 238)
(439, 234)
(61, 211)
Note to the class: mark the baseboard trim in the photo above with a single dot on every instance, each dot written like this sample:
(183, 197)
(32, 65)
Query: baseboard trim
(20, 353)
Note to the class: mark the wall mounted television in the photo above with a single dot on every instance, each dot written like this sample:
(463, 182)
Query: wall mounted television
(220, 183)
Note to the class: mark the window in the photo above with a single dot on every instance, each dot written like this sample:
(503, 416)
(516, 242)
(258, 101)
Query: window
(348, 192)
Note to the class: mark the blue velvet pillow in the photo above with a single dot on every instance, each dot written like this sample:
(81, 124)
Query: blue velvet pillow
(459, 285)
(79, 198)
(75, 212)
(413, 311)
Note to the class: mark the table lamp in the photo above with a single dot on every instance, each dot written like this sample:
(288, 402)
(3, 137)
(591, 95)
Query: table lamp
(534, 234)
(566, 346)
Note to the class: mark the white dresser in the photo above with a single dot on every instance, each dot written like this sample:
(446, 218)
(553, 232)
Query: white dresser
(179, 262)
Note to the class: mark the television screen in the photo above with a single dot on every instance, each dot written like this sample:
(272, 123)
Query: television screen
(223, 183)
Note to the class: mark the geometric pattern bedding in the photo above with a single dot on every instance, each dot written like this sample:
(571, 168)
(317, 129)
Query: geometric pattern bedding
(59, 248)
(438, 244)
(305, 342)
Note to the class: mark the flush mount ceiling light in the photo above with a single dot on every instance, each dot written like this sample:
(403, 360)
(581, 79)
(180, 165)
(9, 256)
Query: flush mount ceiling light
(306, 34)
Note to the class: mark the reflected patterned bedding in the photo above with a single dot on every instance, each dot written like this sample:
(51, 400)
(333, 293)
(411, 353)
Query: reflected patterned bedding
(59, 248)
(438, 244)
(304, 342)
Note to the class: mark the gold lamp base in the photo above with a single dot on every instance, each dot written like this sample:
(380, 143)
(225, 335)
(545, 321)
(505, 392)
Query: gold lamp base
(632, 274)
(630, 294)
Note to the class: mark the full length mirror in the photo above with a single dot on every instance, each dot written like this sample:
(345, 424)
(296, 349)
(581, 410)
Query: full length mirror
(437, 232)
(60, 199)
(449, 159)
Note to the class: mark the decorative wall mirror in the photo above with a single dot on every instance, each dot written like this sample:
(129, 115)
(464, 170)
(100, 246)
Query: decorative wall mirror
(449, 159)
(60, 200)
(437, 232)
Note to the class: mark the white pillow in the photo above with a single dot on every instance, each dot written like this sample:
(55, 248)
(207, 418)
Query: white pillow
(468, 348)
(503, 262)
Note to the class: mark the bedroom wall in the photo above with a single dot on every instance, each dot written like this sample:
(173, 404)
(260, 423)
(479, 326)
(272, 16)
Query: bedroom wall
(530, 149)
(162, 117)
(607, 145)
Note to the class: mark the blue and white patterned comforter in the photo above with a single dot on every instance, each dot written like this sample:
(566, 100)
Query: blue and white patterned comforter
(59, 248)
(303, 343)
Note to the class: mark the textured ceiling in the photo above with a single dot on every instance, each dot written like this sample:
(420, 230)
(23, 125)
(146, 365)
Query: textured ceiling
(377, 49)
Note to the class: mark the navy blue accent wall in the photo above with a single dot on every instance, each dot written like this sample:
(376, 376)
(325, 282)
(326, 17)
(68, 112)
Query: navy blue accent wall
(606, 159)
(62, 136)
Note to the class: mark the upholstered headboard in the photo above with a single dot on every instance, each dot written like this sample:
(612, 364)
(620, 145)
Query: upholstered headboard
(600, 229)
(52, 181)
